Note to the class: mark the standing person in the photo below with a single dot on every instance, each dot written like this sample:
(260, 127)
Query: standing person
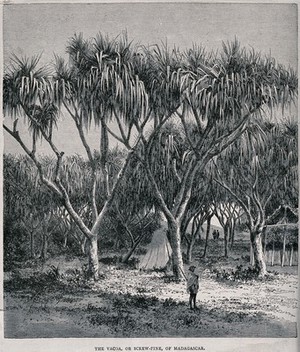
(214, 234)
(192, 286)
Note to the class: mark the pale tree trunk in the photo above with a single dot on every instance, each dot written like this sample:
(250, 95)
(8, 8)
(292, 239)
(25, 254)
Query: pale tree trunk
(192, 239)
(198, 233)
(65, 240)
(176, 215)
(226, 230)
(175, 242)
(183, 229)
(82, 245)
(44, 249)
(207, 235)
(190, 246)
(93, 257)
(259, 260)
(232, 233)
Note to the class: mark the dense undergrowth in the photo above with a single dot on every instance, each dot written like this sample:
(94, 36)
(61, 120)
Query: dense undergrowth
(241, 274)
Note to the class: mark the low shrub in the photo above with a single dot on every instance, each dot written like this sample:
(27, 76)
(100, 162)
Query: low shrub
(131, 263)
(78, 277)
(170, 302)
(38, 282)
(239, 274)
(138, 301)
(110, 260)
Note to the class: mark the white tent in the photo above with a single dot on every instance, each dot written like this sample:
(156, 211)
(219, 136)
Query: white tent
(159, 251)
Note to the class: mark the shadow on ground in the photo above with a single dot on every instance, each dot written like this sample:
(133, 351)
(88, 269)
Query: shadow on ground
(87, 313)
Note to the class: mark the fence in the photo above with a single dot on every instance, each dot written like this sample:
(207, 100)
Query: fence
(280, 245)
(287, 257)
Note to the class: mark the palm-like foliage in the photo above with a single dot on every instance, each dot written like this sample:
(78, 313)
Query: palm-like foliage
(23, 192)
(100, 80)
(239, 82)
(27, 91)
(257, 170)
(266, 160)
(106, 79)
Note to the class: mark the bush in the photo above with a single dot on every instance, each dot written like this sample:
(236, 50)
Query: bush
(138, 301)
(110, 260)
(133, 262)
(37, 282)
(78, 277)
(15, 244)
(170, 302)
(239, 274)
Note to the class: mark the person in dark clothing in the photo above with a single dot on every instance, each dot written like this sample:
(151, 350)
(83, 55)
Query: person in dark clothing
(214, 234)
(192, 286)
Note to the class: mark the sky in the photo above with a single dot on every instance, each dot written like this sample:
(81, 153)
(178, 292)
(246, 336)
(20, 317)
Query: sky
(30, 29)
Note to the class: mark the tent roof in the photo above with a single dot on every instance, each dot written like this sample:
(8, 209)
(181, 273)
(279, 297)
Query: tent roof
(159, 251)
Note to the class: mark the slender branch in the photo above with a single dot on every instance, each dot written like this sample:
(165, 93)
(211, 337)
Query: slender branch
(16, 136)
(47, 138)
(185, 188)
(156, 131)
(243, 205)
(179, 179)
(157, 193)
(224, 141)
(127, 145)
(196, 115)
(125, 225)
(183, 121)
(58, 166)
(33, 143)
(261, 217)
(44, 180)
(67, 203)
(110, 200)
(79, 126)
(204, 138)
(121, 129)
(59, 189)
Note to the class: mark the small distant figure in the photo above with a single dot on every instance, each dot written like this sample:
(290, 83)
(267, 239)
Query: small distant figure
(216, 234)
(192, 286)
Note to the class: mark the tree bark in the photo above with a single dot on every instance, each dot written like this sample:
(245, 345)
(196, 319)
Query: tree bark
(93, 257)
(190, 246)
(65, 240)
(207, 235)
(175, 242)
(44, 249)
(226, 230)
(82, 245)
(127, 256)
(259, 261)
(183, 228)
(232, 233)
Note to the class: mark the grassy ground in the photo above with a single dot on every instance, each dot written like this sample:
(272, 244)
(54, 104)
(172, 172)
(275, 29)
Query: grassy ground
(126, 302)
